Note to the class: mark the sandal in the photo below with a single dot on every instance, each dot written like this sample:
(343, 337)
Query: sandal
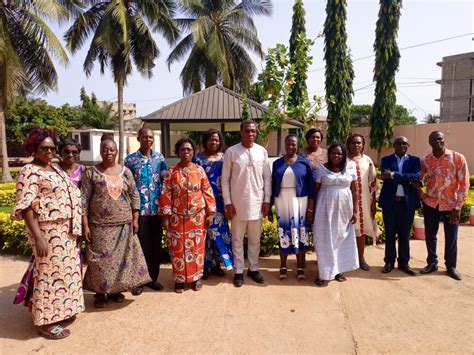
(340, 277)
(300, 276)
(100, 300)
(197, 285)
(55, 333)
(283, 274)
(117, 297)
(319, 282)
(178, 287)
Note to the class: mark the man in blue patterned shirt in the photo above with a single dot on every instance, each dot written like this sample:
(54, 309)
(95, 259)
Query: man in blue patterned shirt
(148, 168)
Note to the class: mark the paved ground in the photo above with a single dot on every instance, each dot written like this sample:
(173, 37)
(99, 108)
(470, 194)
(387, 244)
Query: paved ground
(370, 313)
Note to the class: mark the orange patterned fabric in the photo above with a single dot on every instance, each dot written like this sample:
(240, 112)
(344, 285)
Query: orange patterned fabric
(446, 179)
(187, 197)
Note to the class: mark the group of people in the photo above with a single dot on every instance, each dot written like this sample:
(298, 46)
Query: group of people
(208, 202)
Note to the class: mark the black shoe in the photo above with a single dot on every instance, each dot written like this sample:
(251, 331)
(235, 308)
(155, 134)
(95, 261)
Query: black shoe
(137, 291)
(454, 273)
(238, 280)
(256, 276)
(407, 270)
(217, 270)
(388, 267)
(364, 266)
(155, 285)
(428, 269)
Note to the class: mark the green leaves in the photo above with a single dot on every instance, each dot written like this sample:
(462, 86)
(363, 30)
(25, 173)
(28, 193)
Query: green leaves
(222, 34)
(387, 57)
(339, 72)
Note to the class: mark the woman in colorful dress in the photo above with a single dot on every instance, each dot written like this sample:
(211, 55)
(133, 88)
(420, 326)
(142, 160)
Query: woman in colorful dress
(218, 238)
(293, 196)
(50, 205)
(111, 203)
(69, 152)
(334, 218)
(364, 169)
(187, 205)
(313, 151)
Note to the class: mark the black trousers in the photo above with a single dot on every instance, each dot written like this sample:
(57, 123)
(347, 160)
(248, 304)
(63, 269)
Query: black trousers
(432, 218)
(150, 234)
(398, 220)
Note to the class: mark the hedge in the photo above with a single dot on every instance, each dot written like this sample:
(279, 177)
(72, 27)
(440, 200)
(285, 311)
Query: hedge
(7, 197)
(13, 237)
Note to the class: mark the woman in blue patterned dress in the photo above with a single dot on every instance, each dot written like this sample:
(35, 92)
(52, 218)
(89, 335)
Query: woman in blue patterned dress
(218, 239)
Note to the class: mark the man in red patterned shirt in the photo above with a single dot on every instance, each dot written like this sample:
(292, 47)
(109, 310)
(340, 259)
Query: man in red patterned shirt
(446, 177)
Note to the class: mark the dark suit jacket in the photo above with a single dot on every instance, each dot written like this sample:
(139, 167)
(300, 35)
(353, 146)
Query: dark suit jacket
(411, 171)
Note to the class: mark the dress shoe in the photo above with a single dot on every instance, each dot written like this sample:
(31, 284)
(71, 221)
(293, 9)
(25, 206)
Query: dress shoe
(238, 280)
(428, 269)
(137, 291)
(388, 267)
(155, 285)
(454, 273)
(407, 270)
(256, 276)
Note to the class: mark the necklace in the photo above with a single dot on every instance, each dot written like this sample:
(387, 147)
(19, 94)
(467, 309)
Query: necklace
(291, 159)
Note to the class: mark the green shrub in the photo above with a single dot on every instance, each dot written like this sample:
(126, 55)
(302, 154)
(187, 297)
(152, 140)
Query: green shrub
(13, 238)
(7, 197)
(7, 186)
(379, 220)
(466, 212)
(269, 243)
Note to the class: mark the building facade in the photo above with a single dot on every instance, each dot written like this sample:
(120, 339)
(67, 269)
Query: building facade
(457, 88)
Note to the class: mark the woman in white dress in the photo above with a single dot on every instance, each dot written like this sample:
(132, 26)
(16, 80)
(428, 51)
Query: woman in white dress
(334, 218)
(363, 168)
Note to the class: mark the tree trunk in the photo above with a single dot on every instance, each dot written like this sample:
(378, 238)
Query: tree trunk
(120, 84)
(6, 177)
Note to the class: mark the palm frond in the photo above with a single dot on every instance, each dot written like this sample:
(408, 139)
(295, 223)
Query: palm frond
(256, 7)
(183, 47)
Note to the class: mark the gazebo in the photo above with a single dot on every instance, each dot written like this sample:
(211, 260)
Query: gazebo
(214, 107)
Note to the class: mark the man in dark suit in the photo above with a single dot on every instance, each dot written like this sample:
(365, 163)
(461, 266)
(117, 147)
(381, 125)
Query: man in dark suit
(399, 199)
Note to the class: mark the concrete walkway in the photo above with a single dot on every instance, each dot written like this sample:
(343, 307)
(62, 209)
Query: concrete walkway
(370, 313)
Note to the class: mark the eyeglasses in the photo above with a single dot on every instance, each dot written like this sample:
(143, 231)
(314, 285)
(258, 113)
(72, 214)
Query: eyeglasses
(67, 152)
(46, 149)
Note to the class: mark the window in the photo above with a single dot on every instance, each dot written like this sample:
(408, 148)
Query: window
(86, 141)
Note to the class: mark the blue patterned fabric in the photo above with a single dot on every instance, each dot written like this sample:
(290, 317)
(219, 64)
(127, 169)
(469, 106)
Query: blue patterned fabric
(219, 238)
(148, 174)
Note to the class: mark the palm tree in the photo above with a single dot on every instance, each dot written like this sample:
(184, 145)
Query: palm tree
(26, 47)
(120, 31)
(218, 36)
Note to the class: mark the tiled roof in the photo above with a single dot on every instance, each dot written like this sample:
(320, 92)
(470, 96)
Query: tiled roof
(213, 103)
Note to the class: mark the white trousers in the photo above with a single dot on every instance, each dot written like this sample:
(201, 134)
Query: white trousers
(253, 229)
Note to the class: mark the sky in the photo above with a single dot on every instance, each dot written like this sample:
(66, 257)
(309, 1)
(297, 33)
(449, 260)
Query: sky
(422, 21)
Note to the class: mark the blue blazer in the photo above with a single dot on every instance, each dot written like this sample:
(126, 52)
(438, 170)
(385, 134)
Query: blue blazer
(303, 174)
(411, 171)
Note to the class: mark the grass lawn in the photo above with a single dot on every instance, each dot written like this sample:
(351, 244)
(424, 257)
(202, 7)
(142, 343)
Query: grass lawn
(6, 209)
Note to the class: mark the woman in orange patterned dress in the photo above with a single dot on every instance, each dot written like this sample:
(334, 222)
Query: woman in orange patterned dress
(49, 203)
(187, 204)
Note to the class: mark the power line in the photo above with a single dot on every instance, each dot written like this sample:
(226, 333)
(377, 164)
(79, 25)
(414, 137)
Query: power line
(409, 47)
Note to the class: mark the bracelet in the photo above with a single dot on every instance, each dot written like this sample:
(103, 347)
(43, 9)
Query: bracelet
(308, 210)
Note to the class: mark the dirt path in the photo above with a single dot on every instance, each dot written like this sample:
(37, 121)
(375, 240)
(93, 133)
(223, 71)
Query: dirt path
(371, 313)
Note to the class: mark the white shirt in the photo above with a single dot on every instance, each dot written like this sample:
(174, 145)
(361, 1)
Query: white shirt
(246, 180)
(400, 162)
